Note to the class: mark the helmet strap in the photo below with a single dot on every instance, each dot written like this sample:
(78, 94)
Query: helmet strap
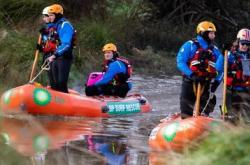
(204, 35)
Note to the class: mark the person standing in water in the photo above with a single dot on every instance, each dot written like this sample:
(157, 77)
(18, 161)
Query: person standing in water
(196, 60)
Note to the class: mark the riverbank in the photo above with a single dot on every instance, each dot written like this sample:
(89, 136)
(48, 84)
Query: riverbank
(17, 55)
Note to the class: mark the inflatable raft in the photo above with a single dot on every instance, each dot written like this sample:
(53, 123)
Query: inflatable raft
(29, 137)
(175, 133)
(38, 100)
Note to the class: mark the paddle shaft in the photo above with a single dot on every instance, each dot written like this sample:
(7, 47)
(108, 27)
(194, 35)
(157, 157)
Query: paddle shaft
(224, 95)
(197, 101)
(36, 58)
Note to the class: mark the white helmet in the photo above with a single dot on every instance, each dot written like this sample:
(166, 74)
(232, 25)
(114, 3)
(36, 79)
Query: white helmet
(244, 35)
(45, 10)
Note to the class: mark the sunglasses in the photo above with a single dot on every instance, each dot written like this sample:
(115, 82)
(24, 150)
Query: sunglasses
(244, 43)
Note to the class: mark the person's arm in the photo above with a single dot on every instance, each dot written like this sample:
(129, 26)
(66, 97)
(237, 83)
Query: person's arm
(183, 57)
(113, 69)
(65, 33)
(219, 64)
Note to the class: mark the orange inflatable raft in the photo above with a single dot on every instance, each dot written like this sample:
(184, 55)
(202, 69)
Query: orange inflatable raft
(29, 137)
(175, 133)
(38, 100)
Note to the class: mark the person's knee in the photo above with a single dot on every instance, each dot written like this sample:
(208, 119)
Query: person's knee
(186, 108)
(91, 91)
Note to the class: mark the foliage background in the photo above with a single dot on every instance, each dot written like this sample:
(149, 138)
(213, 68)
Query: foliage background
(148, 32)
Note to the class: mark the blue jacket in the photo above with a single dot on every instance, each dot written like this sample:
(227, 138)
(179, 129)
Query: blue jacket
(231, 59)
(65, 31)
(114, 67)
(187, 52)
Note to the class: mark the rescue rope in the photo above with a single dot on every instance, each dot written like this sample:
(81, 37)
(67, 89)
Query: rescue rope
(211, 95)
(45, 66)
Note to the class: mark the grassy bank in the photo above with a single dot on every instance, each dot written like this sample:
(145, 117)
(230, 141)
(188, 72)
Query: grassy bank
(18, 48)
(8, 156)
(229, 146)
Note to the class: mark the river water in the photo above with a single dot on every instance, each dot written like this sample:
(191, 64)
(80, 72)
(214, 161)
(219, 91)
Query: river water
(73, 141)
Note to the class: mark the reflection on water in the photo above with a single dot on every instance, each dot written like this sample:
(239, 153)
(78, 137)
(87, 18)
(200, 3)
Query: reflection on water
(73, 141)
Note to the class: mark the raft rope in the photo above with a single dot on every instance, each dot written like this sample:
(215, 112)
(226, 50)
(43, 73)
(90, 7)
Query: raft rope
(211, 95)
(45, 66)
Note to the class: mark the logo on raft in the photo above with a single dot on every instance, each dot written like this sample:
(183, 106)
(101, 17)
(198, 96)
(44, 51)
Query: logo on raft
(41, 96)
(170, 131)
(40, 143)
(6, 97)
(122, 108)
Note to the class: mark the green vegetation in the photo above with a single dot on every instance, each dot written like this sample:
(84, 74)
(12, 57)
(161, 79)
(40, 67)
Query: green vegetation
(228, 146)
(9, 156)
(148, 32)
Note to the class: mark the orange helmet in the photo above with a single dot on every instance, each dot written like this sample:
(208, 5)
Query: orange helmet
(55, 8)
(244, 35)
(109, 47)
(205, 26)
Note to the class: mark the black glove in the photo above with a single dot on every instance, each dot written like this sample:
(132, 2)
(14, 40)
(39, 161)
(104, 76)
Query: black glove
(214, 85)
(39, 47)
(43, 30)
(196, 79)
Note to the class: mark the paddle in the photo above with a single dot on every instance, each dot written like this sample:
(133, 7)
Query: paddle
(36, 58)
(197, 101)
(224, 108)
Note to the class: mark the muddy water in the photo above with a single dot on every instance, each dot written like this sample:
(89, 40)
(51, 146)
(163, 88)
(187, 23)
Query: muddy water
(73, 141)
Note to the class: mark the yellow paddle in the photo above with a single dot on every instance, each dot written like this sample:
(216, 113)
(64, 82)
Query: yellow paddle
(224, 108)
(36, 58)
(197, 101)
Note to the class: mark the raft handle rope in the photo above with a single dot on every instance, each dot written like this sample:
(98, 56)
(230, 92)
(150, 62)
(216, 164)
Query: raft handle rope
(211, 95)
(45, 66)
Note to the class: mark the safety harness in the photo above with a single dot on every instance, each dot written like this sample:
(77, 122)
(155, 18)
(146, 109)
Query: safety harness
(236, 76)
(203, 62)
(51, 43)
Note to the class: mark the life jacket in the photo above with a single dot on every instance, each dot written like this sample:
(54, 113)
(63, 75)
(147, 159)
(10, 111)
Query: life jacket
(121, 77)
(51, 42)
(203, 62)
(53, 39)
(235, 75)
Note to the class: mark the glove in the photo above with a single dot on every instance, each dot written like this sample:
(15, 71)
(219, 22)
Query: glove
(39, 47)
(227, 46)
(52, 58)
(214, 86)
(196, 79)
(43, 30)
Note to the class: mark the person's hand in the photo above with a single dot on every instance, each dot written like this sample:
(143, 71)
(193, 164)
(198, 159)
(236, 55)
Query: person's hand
(39, 47)
(196, 79)
(214, 86)
(43, 30)
(51, 58)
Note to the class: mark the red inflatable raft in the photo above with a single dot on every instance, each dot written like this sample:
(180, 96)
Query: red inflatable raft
(176, 133)
(38, 100)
